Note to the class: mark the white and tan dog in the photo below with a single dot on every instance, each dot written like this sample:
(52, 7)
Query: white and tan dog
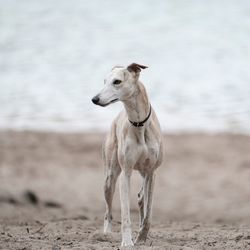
(134, 142)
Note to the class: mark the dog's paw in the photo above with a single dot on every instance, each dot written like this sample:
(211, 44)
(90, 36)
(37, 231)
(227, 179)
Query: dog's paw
(107, 227)
(127, 243)
(127, 238)
(141, 237)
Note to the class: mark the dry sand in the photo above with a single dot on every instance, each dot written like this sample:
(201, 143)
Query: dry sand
(51, 193)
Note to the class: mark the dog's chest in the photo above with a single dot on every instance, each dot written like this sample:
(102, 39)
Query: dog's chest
(147, 155)
(139, 149)
(141, 154)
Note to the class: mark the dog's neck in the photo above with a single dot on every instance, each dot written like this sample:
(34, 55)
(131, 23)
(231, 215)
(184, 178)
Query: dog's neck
(137, 105)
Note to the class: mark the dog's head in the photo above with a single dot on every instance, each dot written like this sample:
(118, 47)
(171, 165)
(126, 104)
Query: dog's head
(120, 84)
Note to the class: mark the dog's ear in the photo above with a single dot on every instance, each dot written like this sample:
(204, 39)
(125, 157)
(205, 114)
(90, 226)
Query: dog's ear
(135, 67)
(117, 66)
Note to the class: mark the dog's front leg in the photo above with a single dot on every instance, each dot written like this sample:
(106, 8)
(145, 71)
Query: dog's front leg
(125, 208)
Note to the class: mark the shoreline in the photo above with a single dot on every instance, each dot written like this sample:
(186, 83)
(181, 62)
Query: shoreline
(105, 131)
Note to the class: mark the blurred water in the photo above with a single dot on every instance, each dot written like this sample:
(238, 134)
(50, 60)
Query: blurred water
(55, 54)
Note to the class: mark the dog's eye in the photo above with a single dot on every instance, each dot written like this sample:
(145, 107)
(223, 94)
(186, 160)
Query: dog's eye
(117, 82)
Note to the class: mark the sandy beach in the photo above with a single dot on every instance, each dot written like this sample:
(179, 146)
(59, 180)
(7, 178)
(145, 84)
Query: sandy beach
(51, 193)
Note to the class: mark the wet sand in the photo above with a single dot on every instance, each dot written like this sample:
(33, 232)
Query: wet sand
(51, 193)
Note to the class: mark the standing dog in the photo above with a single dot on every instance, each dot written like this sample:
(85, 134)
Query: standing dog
(134, 142)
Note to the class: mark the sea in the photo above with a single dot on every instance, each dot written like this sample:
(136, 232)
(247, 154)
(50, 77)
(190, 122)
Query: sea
(54, 55)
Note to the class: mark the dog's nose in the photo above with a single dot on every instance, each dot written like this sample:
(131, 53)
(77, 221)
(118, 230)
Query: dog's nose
(95, 99)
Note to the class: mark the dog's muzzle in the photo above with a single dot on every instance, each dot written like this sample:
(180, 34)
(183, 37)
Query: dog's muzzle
(96, 99)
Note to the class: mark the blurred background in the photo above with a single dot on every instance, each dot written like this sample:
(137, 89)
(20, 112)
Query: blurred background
(54, 56)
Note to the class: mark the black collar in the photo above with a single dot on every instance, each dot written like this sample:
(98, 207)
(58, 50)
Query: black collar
(140, 124)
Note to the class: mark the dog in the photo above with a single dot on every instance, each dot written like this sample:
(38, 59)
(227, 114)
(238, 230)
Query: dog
(134, 142)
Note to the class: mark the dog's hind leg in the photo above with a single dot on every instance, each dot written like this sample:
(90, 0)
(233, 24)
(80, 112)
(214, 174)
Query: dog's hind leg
(148, 197)
(141, 202)
(113, 170)
(109, 189)
(141, 205)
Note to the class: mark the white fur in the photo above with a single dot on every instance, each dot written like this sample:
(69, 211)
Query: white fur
(128, 147)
